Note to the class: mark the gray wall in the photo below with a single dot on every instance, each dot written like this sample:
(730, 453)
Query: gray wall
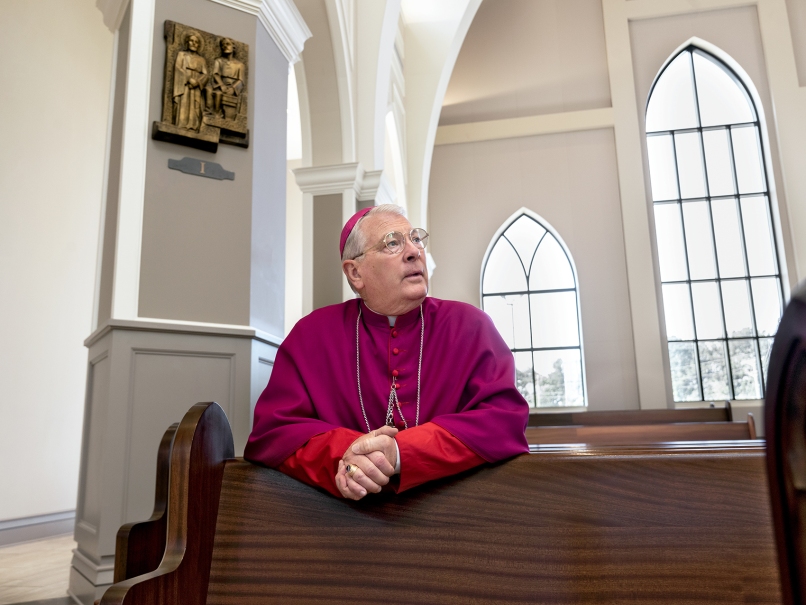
(523, 58)
(213, 251)
(570, 180)
(327, 274)
(796, 10)
(527, 57)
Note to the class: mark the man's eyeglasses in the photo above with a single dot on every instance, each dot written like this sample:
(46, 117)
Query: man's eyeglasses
(395, 241)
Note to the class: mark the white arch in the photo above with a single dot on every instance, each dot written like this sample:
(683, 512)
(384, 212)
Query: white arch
(341, 20)
(376, 46)
(304, 111)
(393, 165)
(431, 52)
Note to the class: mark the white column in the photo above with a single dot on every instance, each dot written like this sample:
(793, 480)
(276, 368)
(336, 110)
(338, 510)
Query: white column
(653, 390)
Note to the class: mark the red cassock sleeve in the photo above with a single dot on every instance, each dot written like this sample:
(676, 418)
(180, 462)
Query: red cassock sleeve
(427, 452)
(317, 462)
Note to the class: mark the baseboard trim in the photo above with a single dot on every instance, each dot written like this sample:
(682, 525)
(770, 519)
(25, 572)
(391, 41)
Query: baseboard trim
(26, 529)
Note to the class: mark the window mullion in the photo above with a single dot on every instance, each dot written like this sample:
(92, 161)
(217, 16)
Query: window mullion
(688, 268)
(708, 201)
(721, 300)
(763, 157)
(726, 351)
(746, 261)
(532, 260)
(514, 249)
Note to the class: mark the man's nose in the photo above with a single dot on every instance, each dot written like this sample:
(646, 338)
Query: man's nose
(411, 252)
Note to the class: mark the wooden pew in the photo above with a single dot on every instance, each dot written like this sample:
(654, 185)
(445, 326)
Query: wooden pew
(139, 546)
(625, 417)
(632, 524)
(785, 421)
(648, 433)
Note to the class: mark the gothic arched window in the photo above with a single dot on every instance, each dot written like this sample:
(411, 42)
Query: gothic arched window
(529, 289)
(717, 252)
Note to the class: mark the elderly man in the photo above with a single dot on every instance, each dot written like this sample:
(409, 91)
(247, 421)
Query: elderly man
(393, 389)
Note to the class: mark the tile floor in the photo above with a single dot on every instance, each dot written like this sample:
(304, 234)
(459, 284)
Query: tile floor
(35, 570)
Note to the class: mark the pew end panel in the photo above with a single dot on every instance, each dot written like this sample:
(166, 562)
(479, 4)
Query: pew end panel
(139, 546)
(201, 445)
(785, 426)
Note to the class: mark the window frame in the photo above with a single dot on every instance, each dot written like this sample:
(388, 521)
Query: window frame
(745, 83)
(523, 211)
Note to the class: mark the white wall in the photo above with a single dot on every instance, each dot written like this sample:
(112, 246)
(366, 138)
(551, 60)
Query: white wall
(570, 180)
(293, 247)
(527, 57)
(56, 71)
(530, 71)
(293, 208)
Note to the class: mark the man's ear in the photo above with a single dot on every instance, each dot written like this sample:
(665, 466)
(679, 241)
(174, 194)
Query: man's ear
(352, 271)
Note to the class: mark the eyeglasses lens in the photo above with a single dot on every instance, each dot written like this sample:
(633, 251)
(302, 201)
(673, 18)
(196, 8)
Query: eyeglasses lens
(396, 241)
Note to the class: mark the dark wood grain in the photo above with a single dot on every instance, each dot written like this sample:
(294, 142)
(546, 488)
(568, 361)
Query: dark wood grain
(624, 417)
(677, 523)
(139, 546)
(785, 426)
(202, 443)
(571, 526)
(648, 433)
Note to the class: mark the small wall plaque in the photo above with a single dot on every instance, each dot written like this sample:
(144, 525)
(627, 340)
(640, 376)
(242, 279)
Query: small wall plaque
(204, 98)
(201, 168)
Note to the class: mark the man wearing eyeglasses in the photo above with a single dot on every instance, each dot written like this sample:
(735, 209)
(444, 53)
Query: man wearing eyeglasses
(393, 389)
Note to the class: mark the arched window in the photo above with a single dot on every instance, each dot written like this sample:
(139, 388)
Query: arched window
(529, 288)
(717, 252)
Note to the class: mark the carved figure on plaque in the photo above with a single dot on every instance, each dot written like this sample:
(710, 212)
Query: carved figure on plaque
(224, 91)
(205, 89)
(190, 77)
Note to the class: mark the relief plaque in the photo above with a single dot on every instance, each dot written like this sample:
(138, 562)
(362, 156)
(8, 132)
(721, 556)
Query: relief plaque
(205, 89)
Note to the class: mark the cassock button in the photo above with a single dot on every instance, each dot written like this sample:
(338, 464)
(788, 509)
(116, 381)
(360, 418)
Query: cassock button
(394, 333)
(400, 426)
(395, 372)
(395, 351)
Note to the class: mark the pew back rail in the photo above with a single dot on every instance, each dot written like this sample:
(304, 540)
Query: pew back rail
(646, 433)
(624, 417)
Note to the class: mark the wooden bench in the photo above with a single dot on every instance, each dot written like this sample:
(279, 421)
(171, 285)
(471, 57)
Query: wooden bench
(635, 524)
(785, 422)
(625, 417)
(648, 433)
(139, 546)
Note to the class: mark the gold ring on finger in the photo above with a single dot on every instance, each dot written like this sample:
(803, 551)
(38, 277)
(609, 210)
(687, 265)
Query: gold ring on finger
(351, 470)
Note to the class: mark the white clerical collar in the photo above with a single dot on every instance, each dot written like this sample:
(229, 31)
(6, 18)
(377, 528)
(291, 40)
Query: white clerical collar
(391, 318)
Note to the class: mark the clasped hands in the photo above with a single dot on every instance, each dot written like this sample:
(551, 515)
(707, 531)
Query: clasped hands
(375, 455)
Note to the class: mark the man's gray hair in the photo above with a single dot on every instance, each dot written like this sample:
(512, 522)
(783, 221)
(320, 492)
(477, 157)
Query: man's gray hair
(357, 240)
